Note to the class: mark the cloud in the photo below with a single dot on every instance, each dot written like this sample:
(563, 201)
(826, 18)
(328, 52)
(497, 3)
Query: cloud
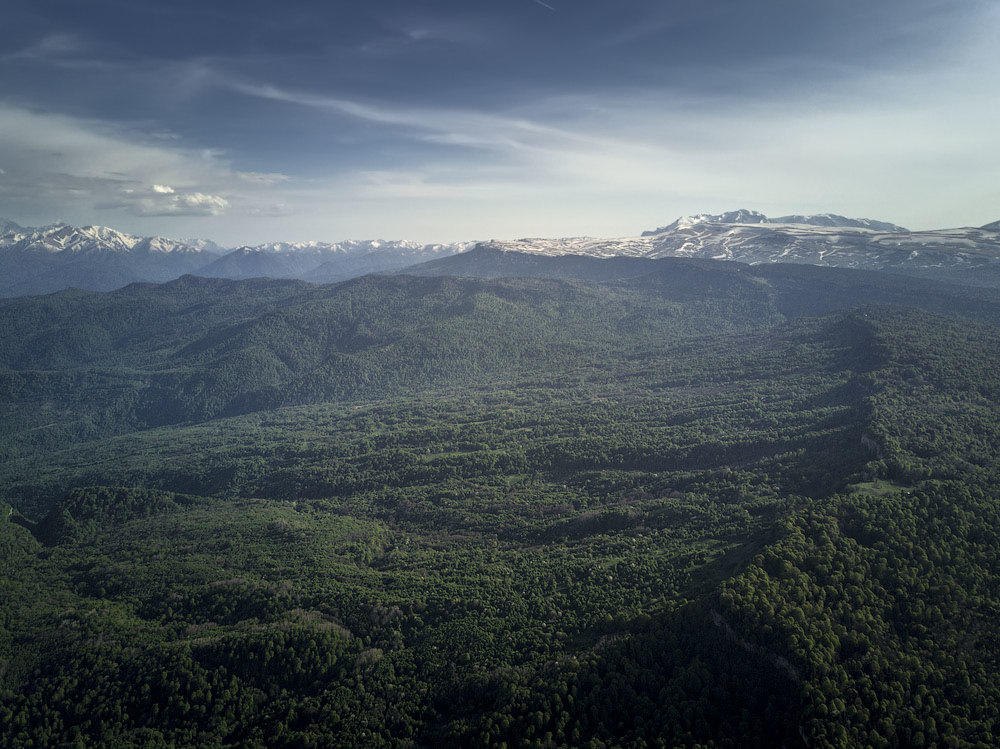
(174, 204)
(448, 126)
(51, 48)
(199, 204)
(66, 166)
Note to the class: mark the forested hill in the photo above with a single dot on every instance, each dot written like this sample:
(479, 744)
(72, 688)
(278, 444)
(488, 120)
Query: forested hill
(798, 289)
(676, 503)
(77, 365)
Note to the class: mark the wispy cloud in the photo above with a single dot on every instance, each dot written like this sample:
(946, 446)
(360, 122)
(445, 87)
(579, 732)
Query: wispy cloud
(449, 126)
(49, 48)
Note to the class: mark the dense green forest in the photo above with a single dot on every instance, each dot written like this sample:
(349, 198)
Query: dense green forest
(511, 501)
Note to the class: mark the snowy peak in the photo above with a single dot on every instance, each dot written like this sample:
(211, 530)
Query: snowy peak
(204, 245)
(326, 262)
(347, 247)
(50, 258)
(741, 216)
(99, 258)
(89, 237)
(286, 248)
(834, 220)
(66, 238)
(76, 240)
(744, 217)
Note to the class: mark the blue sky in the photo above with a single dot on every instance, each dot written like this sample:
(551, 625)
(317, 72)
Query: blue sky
(441, 120)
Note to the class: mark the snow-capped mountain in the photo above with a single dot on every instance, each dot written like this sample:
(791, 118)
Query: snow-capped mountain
(47, 259)
(98, 258)
(970, 255)
(206, 245)
(743, 216)
(50, 258)
(84, 239)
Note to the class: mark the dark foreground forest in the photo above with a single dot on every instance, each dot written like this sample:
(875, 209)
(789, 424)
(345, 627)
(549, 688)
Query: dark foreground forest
(503, 501)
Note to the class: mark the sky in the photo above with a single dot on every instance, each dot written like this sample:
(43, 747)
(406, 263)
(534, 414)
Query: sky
(445, 120)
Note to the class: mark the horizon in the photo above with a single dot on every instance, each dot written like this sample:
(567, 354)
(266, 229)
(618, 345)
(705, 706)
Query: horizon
(446, 122)
(478, 240)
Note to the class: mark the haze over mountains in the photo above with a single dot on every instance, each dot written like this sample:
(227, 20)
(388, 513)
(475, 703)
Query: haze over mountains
(47, 259)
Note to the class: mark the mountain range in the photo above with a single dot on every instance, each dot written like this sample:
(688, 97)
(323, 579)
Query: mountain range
(51, 258)
(97, 258)
(969, 255)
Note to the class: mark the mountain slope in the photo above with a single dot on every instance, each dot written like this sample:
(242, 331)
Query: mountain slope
(797, 289)
(255, 262)
(968, 255)
(325, 262)
(775, 537)
(196, 349)
(381, 257)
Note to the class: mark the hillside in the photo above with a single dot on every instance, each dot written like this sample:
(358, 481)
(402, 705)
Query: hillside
(79, 365)
(692, 502)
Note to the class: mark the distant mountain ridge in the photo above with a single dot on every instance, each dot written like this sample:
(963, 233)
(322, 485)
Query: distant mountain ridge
(95, 258)
(63, 237)
(325, 262)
